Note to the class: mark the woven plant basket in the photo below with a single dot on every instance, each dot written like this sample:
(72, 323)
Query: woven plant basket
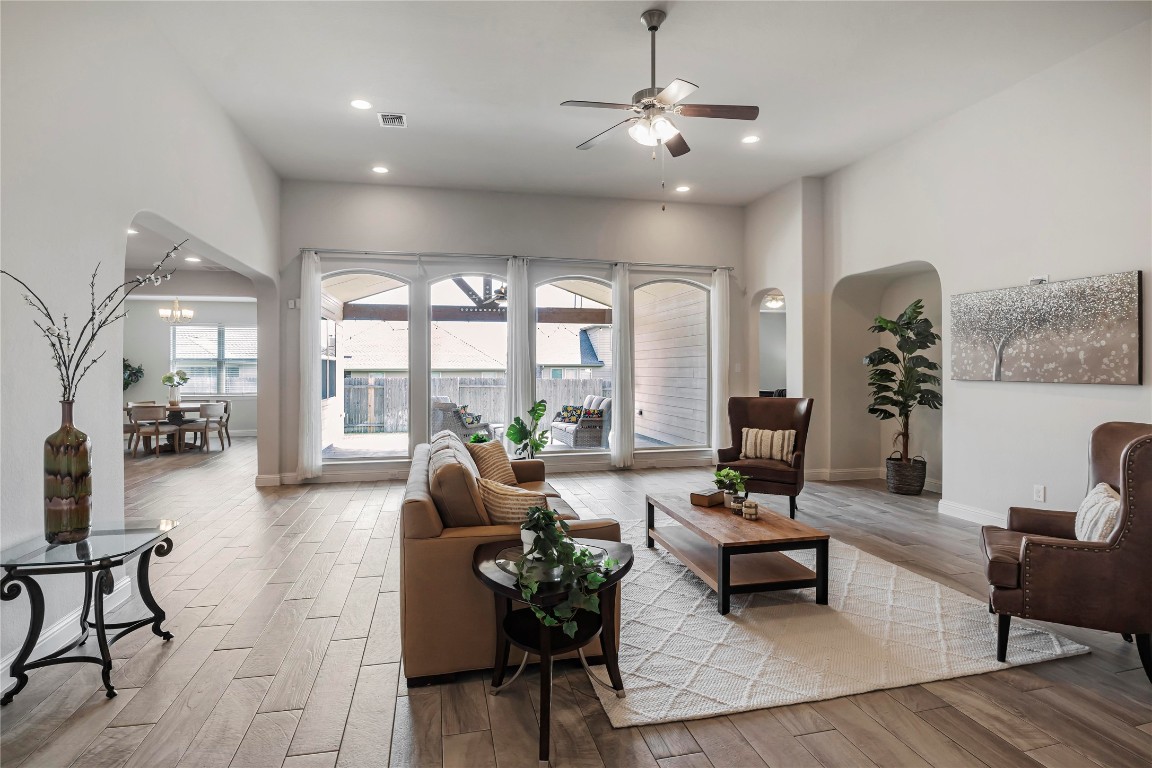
(906, 478)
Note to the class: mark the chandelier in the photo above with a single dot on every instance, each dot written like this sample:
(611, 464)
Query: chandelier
(175, 314)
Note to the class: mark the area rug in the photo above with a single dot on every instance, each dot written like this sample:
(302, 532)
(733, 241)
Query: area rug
(883, 627)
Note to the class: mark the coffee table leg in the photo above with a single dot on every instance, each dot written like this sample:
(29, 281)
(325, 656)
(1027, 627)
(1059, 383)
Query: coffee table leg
(10, 589)
(545, 691)
(822, 572)
(651, 524)
(723, 578)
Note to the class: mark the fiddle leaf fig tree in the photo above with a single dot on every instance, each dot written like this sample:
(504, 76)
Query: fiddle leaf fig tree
(529, 439)
(902, 380)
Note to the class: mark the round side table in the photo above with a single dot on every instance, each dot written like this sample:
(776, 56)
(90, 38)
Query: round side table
(521, 628)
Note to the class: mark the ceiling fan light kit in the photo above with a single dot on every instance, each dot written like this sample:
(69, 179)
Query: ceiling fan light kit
(653, 108)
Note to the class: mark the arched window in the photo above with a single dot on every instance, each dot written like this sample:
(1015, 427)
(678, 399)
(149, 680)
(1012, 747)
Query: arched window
(364, 366)
(574, 362)
(469, 345)
(671, 363)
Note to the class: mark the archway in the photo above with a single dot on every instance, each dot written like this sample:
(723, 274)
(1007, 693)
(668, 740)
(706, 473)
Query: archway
(860, 442)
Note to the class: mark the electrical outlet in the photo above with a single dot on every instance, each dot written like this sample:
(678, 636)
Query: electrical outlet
(1038, 493)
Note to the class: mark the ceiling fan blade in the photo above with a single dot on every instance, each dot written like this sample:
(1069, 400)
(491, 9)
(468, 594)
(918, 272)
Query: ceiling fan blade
(678, 89)
(677, 146)
(595, 104)
(604, 134)
(728, 111)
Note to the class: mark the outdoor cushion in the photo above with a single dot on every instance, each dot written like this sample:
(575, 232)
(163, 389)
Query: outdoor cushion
(570, 414)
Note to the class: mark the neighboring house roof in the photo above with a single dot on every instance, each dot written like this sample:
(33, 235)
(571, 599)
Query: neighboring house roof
(372, 345)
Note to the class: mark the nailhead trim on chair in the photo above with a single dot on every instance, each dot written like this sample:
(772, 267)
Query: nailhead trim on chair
(1131, 509)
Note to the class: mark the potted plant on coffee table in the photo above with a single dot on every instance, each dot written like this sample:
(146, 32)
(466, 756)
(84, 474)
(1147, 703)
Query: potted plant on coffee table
(731, 482)
(901, 381)
(550, 554)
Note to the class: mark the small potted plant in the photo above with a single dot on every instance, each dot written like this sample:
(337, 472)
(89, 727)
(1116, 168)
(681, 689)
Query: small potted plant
(551, 555)
(479, 437)
(731, 482)
(132, 373)
(174, 380)
(529, 440)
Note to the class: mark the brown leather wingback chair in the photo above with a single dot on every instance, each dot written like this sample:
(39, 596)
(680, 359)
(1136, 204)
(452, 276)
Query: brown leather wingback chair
(769, 475)
(1037, 569)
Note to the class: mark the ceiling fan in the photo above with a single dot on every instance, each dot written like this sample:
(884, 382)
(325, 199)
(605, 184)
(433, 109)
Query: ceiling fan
(654, 108)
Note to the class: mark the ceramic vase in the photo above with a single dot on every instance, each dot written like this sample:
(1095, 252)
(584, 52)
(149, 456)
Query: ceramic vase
(67, 482)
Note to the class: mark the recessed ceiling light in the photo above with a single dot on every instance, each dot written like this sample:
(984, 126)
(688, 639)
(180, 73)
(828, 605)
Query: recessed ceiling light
(133, 232)
(361, 104)
(193, 259)
(379, 169)
(750, 139)
(683, 189)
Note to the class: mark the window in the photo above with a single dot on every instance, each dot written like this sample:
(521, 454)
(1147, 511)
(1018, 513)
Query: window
(219, 360)
(327, 359)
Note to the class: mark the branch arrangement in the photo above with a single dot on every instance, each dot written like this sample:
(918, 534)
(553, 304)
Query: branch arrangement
(71, 355)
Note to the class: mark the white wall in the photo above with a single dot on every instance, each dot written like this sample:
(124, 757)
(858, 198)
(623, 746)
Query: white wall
(1053, 175)
(412, 219)
(773, 350)
(100, 122)
(147, 342)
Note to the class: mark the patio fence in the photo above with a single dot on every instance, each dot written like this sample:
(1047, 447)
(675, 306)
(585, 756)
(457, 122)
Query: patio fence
(380, 404)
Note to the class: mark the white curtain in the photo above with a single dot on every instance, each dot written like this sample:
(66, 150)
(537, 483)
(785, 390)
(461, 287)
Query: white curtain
(310, 450)
(521, 367)
(719, 307)
(622, 439)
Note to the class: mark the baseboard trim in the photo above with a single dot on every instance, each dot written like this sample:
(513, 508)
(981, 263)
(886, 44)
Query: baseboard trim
(242, 432)
(971, 514)
(65, 629)
(862, 473)
(934, 485)
(265, 481)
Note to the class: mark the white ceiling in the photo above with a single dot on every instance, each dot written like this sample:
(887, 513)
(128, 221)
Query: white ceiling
(482, 82)
(146, 247)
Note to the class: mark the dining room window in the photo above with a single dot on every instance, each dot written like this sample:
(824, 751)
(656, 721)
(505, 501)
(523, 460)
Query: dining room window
(219, 359)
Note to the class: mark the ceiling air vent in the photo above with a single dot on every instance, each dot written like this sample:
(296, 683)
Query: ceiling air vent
(392, 120)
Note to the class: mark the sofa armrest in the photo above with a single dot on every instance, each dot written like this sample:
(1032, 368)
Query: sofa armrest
(728, 454)
(798, 463)
(590, 423)
(604, 528)
(1043, 522)
(1076, 582)
(528, 470)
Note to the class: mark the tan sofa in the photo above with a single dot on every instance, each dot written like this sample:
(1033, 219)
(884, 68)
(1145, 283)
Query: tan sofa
(447, 617)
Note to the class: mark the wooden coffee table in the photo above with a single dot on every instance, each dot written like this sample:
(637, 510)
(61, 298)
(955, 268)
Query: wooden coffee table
(708, 537)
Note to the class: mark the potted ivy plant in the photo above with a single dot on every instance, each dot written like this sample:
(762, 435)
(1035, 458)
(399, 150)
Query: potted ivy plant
(529, 439)
(731, 482)
(901, 381)
(478, 437)
(551, 554)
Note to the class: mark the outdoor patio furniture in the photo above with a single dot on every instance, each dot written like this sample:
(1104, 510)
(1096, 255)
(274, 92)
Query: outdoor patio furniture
(587, 432)
(446, 415)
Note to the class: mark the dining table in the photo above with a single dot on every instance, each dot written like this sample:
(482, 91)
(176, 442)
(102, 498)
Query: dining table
(176, 415)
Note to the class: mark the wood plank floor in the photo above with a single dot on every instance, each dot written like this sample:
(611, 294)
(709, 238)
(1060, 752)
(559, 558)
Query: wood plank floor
(284, 605)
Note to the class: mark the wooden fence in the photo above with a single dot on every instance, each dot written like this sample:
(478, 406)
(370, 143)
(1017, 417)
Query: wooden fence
(380, 404)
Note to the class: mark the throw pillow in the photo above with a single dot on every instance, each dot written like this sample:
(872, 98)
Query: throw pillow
(1098, 513)
(492, 461)
(570, 414)
(508, 504)
(767, 444)
(471, 419)
(593, 413)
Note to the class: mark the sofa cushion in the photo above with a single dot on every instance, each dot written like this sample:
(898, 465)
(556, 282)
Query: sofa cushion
(1002, 556)
(492, 462)
(508, 503)
(770, 470)
(452, 485)
(559, 426)
(1096, 518)
(767, 443)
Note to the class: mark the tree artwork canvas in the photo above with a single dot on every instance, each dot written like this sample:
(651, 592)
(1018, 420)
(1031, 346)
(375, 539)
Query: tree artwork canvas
(1082, 331)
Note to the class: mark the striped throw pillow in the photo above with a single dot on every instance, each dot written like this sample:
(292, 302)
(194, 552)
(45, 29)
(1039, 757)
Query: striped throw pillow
(492, 461)
(507, 503)
(767, 444)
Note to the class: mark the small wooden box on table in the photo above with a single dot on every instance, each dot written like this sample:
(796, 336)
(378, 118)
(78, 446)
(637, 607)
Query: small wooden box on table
(708, 538)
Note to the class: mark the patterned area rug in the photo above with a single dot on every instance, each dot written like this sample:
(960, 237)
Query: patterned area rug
(883, 627)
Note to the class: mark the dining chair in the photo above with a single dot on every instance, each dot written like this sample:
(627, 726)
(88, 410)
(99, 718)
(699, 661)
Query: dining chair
(151, 422)
(227, 418)
(211, 420)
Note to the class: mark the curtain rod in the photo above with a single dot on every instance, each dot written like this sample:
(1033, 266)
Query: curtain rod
(346, 252)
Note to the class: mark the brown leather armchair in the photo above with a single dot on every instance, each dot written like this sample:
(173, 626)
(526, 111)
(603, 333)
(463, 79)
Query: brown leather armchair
(769, 475)
(1037, 569)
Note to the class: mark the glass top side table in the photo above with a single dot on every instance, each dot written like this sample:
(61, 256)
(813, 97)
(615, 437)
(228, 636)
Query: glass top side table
(94, 557)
